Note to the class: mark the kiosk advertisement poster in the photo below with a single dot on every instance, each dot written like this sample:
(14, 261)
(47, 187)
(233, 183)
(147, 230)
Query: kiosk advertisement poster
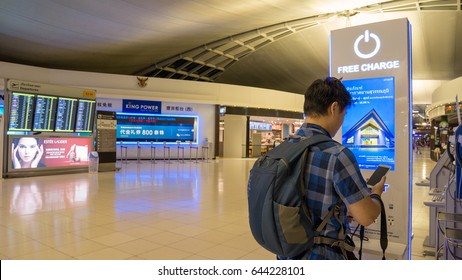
(33, 152)
(369, 130)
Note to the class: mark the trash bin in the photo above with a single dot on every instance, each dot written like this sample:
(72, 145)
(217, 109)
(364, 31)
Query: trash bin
(93, 162)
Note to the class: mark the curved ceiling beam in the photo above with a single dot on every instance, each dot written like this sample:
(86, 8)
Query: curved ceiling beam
(207, 62)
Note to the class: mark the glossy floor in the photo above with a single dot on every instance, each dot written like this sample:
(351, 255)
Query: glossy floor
(147, 211)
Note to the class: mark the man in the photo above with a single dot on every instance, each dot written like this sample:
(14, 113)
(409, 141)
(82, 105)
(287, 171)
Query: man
(333, 172)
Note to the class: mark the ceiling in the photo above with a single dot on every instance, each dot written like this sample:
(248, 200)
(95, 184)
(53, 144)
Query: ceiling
(275, 44)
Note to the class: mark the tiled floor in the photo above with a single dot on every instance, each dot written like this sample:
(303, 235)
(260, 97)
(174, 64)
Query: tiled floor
(147, 211)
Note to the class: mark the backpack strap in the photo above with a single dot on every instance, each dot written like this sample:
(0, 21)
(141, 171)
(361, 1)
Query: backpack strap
(329, 215)
(300, 145)
(342, 244)
(307, 142)
(339, 242)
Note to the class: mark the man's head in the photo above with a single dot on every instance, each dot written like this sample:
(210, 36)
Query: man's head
(325, 103)
(322, 93)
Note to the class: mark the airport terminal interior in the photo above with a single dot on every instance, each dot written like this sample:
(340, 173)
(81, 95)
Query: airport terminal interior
(152, 210)
(137, 84)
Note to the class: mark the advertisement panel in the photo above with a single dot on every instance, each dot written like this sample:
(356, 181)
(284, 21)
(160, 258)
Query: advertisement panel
(369, 129)
(156, 128)
(33, 152)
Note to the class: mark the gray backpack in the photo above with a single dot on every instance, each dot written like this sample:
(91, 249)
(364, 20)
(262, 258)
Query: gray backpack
(279, 218)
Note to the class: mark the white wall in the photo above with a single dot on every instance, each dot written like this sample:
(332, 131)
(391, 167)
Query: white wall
(422, 90)
(235, 136)
(124, 86)
(445, 94)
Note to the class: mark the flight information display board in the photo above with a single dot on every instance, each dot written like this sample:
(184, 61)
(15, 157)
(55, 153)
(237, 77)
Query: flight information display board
(85, 115)
(65, 115)
(21, 111)
(156, 128)
(44, 113)
(48, 127)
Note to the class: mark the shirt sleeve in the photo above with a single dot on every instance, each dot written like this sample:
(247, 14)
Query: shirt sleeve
(348, 180)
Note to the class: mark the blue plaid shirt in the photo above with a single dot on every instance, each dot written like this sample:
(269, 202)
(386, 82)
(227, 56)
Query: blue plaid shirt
(331, 173)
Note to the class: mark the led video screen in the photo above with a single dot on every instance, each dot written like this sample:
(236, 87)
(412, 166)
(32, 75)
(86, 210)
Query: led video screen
(66, 114)
(21, 111)
(156, 128)
(368, 129)
(85, 115)
(44, 113)
(37, 152)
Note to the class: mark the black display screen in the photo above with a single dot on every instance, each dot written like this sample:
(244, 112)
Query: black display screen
(65, 114)
(85, 115)
(45, 113)
(21, 111)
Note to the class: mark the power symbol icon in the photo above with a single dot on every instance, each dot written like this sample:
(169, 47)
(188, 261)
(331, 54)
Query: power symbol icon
(367, 37)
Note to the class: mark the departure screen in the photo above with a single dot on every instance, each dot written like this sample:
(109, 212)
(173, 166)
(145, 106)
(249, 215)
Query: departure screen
(45, 112)
(85, 115)
(21, 111)
(65, 115)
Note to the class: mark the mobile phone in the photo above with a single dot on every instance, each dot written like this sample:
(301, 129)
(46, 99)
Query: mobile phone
(378, 174)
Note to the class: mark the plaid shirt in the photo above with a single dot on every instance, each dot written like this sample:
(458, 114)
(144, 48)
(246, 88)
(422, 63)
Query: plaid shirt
(331, 173)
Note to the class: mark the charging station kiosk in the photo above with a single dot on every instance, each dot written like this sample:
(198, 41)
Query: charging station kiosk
(374, 61)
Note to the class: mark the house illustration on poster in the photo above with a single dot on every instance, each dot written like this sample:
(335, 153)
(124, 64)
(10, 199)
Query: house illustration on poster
(369, 132)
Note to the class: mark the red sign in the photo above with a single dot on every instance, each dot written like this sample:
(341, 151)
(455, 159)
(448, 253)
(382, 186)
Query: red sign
(33, 152)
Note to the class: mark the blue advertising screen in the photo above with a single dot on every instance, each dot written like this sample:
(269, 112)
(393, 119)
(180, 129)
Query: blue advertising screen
(156, 128)
(368, 129)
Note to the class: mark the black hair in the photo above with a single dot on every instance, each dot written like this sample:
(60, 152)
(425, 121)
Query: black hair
(16, 140)
(322, 93)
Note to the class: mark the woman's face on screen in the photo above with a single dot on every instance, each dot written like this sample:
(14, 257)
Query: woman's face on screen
(27, 149)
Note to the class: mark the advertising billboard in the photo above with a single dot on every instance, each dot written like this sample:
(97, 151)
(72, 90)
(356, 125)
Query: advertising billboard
(156, 128)
(369, 129)
(34, 152)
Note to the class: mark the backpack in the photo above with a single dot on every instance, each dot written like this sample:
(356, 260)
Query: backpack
(279, 218)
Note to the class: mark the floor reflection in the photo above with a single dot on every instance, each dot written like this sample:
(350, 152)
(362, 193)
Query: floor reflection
(147, 211)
